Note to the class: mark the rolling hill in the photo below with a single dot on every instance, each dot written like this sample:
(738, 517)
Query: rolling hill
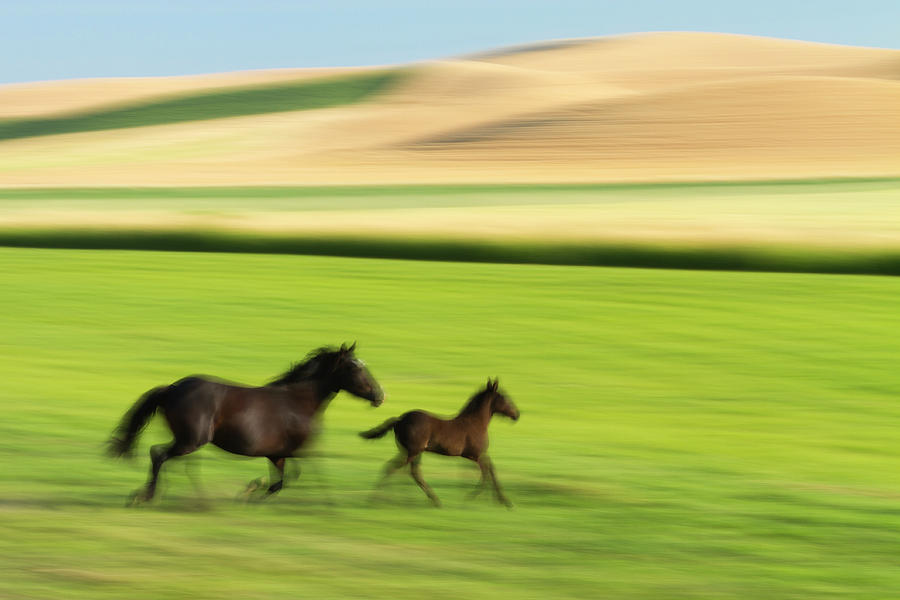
(643, 107)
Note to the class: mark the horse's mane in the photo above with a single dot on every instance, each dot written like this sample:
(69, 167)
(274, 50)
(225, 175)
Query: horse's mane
(475, 401)
(308, 368)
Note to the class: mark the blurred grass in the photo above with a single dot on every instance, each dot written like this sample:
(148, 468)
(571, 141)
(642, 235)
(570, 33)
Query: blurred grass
(676, 255)
(683, 434)
(840, 226)
(234, 102)
(447, 194)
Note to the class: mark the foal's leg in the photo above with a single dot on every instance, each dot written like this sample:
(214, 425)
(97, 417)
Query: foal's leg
(417, 476)
(487, 466)
(485, 475)
(389, 468)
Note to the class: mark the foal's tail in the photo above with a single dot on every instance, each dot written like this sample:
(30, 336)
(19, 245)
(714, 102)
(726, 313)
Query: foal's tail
(122, 441)
(380, 430)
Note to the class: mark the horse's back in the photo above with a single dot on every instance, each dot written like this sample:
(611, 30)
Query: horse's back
(195, 390)
(419, 430)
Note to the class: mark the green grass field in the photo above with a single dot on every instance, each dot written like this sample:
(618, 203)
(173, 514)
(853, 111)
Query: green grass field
(684, 434)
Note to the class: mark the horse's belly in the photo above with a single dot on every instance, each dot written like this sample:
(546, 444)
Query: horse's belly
(274, 441)
(445, 448)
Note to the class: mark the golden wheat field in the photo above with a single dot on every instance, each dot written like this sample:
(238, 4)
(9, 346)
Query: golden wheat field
(643, 107)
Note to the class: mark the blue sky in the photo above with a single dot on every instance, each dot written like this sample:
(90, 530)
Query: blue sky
(60, 39)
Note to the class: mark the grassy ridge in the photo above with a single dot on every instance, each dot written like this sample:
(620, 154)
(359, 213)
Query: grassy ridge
(304, 95)
(660, 256)
(684, 435)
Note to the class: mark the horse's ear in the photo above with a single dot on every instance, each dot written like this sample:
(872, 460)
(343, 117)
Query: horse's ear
(352, 348)
(492, 384)
(343, 348)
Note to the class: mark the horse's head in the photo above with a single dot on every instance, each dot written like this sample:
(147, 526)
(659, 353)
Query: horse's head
(351, 374)
(500, 403)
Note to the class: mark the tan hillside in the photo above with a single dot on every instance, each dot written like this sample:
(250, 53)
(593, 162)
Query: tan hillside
(664, 106)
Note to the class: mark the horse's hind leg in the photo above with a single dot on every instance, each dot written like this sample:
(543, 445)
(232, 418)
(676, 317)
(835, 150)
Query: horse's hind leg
(192, 470)
(417, 476)
(158, 455)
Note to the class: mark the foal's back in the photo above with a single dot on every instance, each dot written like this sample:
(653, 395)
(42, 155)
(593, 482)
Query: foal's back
(420, 431)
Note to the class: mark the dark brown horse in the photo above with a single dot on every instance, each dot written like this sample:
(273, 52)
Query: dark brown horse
(274, 421)
(465, 435)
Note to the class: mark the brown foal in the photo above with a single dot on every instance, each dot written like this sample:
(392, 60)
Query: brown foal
(465, 435)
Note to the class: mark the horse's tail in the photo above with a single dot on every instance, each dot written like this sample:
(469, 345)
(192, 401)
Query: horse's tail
(134, 421)
(380, 430)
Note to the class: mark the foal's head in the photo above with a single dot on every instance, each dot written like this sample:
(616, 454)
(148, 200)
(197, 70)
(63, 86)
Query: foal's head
(500, 403)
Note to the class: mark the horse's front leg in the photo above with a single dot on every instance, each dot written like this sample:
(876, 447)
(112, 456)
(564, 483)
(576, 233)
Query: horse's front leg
(271, 485)
(485, 475)
(252, 487)
(158, 455)
(278, 472)
(487, 466)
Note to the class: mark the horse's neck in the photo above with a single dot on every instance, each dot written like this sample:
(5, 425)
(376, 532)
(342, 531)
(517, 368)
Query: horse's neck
(478, 409)
(312, 396)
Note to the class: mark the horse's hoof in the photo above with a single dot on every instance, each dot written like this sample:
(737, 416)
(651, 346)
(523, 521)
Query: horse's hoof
(254, 485)
(251, 489)
(136, 499)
